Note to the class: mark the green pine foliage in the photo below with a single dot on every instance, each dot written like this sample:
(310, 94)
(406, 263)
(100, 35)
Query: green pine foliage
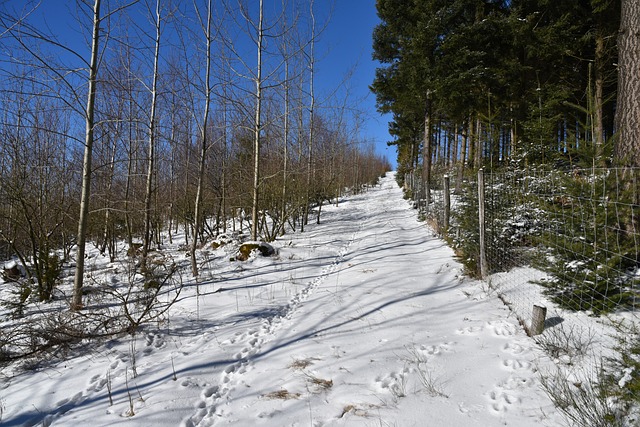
(466, 240)
(621, 378)
(532, 59)
(592, 238)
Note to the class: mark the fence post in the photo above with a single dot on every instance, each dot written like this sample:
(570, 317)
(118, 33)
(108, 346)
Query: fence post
(447, 205)
(481, 225)
(537, 320)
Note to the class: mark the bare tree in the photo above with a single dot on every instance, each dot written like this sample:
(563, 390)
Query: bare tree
(257, 126)
(285, 135)
(86, 164)
(205, 24)
(312, 104)
(152, 136)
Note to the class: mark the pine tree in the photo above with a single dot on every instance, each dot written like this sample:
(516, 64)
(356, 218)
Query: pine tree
(627, 151)
(594, 256)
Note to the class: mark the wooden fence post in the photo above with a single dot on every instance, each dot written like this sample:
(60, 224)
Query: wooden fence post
(537, 319)
(481, 225)
(447, 205)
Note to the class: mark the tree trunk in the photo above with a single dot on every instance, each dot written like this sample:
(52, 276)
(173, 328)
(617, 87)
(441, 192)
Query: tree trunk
(130, 168)
(599, 97)
(627, 146)
(426, 154)
(479, 147)
(106, 235)
(86, 165)
(312, 102)
(257, 129)
(463, 159)
(203, 150)
(152, 142)
(285, 152)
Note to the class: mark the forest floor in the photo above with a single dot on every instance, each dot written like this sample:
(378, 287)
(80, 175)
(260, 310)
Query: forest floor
(363, 320)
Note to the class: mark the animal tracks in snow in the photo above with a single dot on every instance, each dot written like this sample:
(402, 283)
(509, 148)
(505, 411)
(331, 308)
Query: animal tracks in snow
(251, 342)
(469, 330)
(501, 401)
(154, 342)
(434, 350)
(513, 348)
(502, 328)
(514, 359)
(394, 383)
(499, 328)
(506, 393)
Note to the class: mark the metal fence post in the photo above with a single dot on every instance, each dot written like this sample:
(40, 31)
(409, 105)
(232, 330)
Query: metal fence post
(481, 224)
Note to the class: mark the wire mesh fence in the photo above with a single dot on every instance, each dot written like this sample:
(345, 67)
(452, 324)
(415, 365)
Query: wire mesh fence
(566, 236)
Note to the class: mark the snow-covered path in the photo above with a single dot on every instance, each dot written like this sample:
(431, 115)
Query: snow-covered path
(362, 320)
(386, 333)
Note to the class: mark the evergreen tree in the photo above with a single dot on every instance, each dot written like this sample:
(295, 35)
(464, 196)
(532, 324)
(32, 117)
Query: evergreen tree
(627, 150)
(534, 70)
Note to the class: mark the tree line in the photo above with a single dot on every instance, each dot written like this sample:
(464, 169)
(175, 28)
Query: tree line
(487, 83)
(146, 117)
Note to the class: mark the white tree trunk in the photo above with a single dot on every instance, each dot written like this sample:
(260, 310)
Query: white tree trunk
(257, 129)
(203, 149)
(152, 141)
(312, 104)
(86, 165)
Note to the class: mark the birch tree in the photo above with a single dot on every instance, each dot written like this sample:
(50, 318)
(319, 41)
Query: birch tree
(257, 125)
(312, 105)
(86, 164)
(152, 136)
(205, 25)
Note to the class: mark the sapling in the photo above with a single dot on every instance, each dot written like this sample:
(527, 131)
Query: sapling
(132, 350)
(109, 387)
(130, 412)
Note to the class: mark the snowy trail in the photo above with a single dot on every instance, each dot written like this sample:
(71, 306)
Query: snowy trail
(362, 320)
(375, 335)
(254, 342)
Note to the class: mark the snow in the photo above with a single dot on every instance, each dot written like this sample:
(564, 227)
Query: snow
(363, 320)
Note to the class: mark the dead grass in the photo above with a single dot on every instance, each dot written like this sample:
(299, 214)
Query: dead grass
(319, 384)
(281, 395)
(357, 410)
(300, 364)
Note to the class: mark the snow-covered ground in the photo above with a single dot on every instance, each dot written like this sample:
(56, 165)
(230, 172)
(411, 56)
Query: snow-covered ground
(363, 320)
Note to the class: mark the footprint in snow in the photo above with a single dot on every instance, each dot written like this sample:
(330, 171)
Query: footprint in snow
(503, 329)
(393, 382)
(97, 383)
(500, 401)
(154, 341)
(513, 348)
(518, 383)
(189, 382)
(119, 358)
(515, 364)
(469, 330)
(434, 350)
(211, 392)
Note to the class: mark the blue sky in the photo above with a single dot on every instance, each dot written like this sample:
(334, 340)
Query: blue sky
(347, 41)
(343, 47)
